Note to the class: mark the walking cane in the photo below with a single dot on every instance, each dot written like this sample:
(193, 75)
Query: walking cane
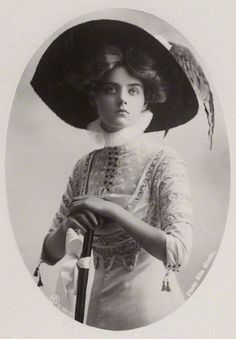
(83, 278)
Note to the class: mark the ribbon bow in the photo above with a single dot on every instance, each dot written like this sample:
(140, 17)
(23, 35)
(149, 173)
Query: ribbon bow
(73, 261)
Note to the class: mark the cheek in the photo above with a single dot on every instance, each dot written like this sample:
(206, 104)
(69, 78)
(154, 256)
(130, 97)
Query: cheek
(138, 103)
(104, 102)
(104, 108)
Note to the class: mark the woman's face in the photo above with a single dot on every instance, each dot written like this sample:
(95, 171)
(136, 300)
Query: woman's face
(119, 99)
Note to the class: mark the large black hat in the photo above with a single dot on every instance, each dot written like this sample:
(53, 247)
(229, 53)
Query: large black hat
(68, 53)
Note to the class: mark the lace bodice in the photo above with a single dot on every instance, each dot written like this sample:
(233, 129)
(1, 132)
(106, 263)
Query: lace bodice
(149, 181)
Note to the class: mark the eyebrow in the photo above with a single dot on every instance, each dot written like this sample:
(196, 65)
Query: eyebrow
(136, 84)
(116, 84)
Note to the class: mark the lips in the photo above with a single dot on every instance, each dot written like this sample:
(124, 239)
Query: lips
(121, 111)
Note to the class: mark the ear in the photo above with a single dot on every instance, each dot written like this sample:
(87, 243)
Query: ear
(145, 106)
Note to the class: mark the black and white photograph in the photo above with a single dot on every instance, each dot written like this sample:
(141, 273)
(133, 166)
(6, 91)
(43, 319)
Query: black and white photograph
(117, 170)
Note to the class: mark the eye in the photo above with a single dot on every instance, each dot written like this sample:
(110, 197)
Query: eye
(110, 89)
(134, 91)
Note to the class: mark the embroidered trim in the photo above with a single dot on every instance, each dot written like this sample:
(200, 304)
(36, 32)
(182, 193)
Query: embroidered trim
(125, 256)
(118, 249)
(173, 196)
(176, 217)
(107, 239)
(167, 179)
(172, 267)
(85, 174)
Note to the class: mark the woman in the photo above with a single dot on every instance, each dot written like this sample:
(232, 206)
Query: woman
(132, 193)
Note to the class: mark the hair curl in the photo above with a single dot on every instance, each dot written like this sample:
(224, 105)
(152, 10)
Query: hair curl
(137, 63)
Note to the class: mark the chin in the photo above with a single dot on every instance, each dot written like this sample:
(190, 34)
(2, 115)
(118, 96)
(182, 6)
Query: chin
(115, 127)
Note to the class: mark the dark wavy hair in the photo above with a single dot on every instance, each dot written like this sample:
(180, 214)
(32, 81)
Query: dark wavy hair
(137, 63)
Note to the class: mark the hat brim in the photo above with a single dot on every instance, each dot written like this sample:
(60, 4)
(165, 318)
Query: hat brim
(52, 78)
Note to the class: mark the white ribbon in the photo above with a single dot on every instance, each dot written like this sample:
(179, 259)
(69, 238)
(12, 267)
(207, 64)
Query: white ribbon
(84, 262)
(68, 275)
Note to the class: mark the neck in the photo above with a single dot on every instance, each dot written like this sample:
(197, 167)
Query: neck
(109, 129)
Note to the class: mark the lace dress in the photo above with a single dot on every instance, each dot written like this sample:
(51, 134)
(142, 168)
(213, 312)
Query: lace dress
(130, 287)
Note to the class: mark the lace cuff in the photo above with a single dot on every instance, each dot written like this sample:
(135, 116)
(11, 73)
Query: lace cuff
(178, 248)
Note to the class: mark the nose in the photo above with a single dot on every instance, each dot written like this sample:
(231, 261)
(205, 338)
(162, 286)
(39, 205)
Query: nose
(122, 102)
(122, 98)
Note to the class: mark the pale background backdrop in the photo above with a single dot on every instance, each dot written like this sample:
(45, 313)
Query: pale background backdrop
(35, 140)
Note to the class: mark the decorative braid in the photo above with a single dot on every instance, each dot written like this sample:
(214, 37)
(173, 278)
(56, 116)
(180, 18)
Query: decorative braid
(198, 80)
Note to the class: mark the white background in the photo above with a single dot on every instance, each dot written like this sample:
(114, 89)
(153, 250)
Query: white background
(210, 27)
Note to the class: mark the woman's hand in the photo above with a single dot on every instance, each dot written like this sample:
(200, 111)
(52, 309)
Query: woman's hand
(85, 220)
(89, 211)
(95, 204)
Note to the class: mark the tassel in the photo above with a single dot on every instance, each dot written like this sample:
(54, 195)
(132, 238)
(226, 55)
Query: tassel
(36, 272)
(165, 283)
(168, 289)
(40, 283)
(163, 286)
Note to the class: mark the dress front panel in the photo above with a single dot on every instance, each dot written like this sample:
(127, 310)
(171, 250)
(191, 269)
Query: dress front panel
(151, 183)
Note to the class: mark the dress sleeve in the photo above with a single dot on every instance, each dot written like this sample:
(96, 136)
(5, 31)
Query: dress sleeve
(63, 211)
(175, 211)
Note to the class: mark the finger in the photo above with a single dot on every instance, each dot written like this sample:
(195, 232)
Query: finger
(91, 217)
(84, 221)
(80, 204)
(77, 226)
(76, 207)
(80, 197)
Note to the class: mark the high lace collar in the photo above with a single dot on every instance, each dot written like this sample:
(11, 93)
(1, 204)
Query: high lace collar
(122, 137)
